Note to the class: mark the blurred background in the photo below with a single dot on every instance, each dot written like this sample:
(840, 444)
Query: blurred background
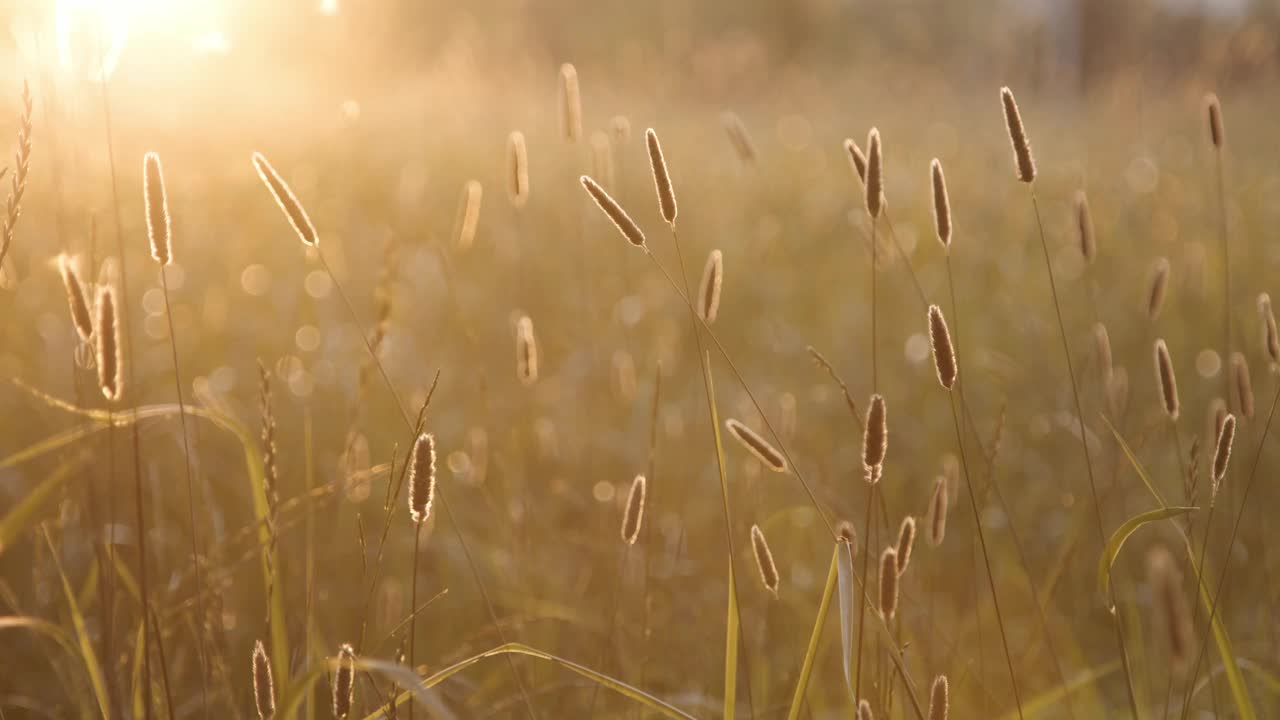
(378, 114)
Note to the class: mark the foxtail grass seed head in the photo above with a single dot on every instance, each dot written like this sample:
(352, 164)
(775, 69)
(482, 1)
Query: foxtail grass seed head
(422, 478)
(875, 438)
(875, 174)
(857, 160)
(468, 215)
(344, 685)
(264, 688)
(110, 359)
(709, 293)
(517, 170)
(938, 511)
(906, 542)
(1166, 584)
(614, 212)
(764, 560)
(620, 130)
(1102, 345)
(864, 711)
(1213, 111)
(526, 352)
(941, 204)
(1242, 385)
(756, 445)
(847, 533)
(76, 301)
(1084, 227)
(1159, 286)
(661, 178)
(939, 698)
(1222, 455)
(739, 138)
(1215, 418)
(1168, 381)
(1270, 337)
(944, 356)
(157, 208)
(570, 103)
(1018, 137)
(888, 583)
(287, 201)
(634, 515)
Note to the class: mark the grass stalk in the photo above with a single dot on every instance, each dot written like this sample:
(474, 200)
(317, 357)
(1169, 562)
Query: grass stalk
(413, 602)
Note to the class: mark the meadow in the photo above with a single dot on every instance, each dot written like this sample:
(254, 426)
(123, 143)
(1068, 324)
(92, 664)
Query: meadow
(567, 390)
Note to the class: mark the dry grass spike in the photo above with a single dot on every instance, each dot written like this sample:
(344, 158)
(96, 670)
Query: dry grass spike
(344, 682)
(906, 542)
(1084, 227)
(941, 204)
(944, 355)
(157, 202)
(526, 351)
(1213, 111)
(517, 170)
(634, 515)
(76, 301)
(756, 445)
(764, 560)
(864, 711)
(875, 438)
(938, 511)
(287, 201)
(1243, 384)
(614, 212)
(739, 138)
(1168, 381)
(1166, 584)
(939, 698)
(857, 160)
(570, 103)
(1018, 137)
(468, 215)
(422, 478)
(264, 688)
(18, 181)
(1222, 455)
(1158, 288)
(888, 583)
(875, 174)
(1102, 345)
(847, 533)
(1270, 336)
(709, 293)
(110, 357)
(661, 177)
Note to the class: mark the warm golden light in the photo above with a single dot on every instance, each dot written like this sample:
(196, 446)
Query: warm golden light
(92, 35)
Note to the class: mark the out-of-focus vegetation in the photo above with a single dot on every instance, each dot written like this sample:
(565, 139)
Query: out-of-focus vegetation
(379, 114)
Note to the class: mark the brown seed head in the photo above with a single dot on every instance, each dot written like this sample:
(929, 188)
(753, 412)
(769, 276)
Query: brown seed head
(517, 170)
(526, 351)
(422, 478)
(110, 358)
(944, 356)
(1213, 110)
(1084, 227)
(468, 215)
(709, 293)
(1018, 137)
(756, 445)
(1166, 584)
(739, 138)
(888, 583)
(1243, 385)
(76, 301)
(661, 178)
(287, 201)
(847, 533)
(1270, 337)
(344, 685)
(264, 688)
(938, 511)
(570, 103)
(634, 514)
(864, 711)
(906, 542)
(939, 698)
(1168, 382)
(1159, 285)
(614, 211)
(941, 204)
(764, 560)
(1102, 345)
(857, 160)
(157, 208)
(1222, 455)
(875, 174)
(875, 437)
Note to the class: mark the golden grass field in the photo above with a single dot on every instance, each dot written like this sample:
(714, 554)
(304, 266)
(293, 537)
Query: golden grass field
(259, 469)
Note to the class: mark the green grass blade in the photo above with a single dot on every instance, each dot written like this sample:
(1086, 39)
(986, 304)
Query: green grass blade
(31, 507)
(815, 638)
(82, 636)
(847, 611)
(731, 615)
(1116, 542)
(1052, 698)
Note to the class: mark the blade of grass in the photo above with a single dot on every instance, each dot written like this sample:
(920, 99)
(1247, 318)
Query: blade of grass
(1122, 533)
(82, 634)
(31, 507)
(806, 667)
(1053, 696)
